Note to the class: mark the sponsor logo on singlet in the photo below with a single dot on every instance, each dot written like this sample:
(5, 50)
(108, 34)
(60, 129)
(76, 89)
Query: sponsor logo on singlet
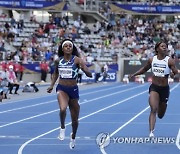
(159, 65)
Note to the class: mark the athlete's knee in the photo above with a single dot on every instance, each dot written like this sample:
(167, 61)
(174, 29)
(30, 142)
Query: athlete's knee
(163, 104)
(62, 110)
(75, 122)
(154, 110)
(78, 106)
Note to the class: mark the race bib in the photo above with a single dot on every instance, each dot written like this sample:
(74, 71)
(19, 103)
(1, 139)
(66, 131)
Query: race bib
(159, 72)
(65, 72)
(159, 69)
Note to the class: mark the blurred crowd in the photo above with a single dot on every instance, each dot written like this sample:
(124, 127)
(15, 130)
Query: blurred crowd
(122, 35)
(103, 41)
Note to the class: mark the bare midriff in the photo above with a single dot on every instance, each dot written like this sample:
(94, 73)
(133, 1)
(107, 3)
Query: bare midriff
(160, 81)
(68, 82)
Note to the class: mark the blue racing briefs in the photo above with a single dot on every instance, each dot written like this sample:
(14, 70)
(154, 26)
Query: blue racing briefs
(71, 91)
(163, 92)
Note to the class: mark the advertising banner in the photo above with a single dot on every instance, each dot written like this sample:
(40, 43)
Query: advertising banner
(146, 8)
(34, 4)
(111, 75)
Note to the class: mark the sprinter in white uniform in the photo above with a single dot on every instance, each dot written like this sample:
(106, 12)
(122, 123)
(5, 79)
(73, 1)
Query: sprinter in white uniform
(162, 66)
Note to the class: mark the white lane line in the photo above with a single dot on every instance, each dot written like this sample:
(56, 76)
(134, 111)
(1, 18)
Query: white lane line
(121, 91)
(20, 108)
(102, 122)
(11, 137)
(111, 94)
(93, 113)
(21, 100)
(178, 140)
(15, 122)
(128, 122)
(59, 144)
(133, 123)
(110, 88)
(137, 115)
(54, 100)
(46, 138)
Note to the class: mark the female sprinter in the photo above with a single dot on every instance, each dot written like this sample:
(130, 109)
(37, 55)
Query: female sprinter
(66, 69)
(161, 66)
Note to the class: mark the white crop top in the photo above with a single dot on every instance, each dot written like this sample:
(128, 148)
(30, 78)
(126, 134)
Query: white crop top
(160, 68)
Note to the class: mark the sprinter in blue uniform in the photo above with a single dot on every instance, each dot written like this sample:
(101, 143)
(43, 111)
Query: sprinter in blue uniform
(66, 71)
(162, 66)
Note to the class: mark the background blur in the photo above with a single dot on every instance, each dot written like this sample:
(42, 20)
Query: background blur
(119, 34)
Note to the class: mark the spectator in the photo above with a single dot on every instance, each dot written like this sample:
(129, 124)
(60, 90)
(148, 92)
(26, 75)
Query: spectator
(97, 70)
(19, 69)
(104, 71)
(3, 84)
(44, 70)
(89, 59)
(51, 66)
(11, 77)
(79, 79)
(48, 54)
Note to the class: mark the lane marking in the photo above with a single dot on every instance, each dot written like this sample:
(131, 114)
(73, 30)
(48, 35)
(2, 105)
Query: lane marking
(15, 122)
(102, 122)
(102, 147)
(137, 115)
(37, 97)
(112, 94)
(121, 91)
(178, 140)
(93, 113)
(20, 108)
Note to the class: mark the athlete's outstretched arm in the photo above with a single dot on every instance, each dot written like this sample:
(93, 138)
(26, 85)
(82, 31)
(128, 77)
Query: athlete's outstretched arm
(83, 67)
(54, 78)
(143, 69)
(172, 66)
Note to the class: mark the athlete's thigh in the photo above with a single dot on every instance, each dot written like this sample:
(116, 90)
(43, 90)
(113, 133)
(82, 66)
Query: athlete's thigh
(74, 108)
(74, 104)
(162, 106)
(154, 99)
(63, 99)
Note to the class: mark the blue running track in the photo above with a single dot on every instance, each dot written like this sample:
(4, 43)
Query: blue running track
(114, 113)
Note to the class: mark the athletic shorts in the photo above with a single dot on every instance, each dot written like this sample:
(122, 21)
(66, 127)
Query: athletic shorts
(71, 91)
(163, 92)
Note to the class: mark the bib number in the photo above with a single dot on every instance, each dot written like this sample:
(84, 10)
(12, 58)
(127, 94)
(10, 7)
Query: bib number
(65, 72)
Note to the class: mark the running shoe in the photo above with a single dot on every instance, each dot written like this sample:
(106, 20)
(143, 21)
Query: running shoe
(72, 142)
(151, 134)
(62, 134)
